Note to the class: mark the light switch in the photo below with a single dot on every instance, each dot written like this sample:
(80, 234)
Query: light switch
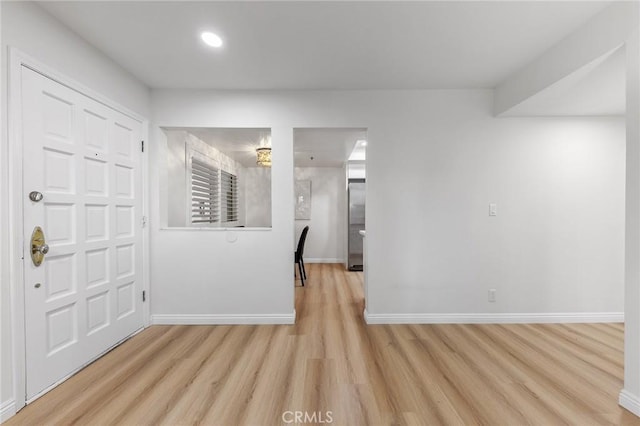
(493, 209)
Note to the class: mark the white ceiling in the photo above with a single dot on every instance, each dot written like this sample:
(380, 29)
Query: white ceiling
(329, 147)
(596, 89)
(324, 45)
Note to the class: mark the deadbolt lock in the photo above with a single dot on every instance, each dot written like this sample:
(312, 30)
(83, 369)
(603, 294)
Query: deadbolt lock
(36, 196)
(38, 246)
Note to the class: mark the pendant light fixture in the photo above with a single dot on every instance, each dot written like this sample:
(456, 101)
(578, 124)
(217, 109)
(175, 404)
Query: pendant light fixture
(263, 152)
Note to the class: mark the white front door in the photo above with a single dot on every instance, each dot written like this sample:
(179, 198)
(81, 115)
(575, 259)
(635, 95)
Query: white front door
(86, 296)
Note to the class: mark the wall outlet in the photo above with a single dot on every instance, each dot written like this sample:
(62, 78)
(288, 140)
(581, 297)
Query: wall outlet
(493, 209)
(492, 295)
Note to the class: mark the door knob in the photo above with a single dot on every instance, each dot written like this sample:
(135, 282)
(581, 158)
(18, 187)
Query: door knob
(38, 246)
(35, 196)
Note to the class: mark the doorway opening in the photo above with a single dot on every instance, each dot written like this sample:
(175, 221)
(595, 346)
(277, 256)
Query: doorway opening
(330, 181)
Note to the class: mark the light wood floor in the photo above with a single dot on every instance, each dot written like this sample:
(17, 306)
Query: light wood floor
(364, 375)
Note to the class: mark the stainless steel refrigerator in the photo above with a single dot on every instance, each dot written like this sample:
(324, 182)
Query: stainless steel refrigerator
(356, 199)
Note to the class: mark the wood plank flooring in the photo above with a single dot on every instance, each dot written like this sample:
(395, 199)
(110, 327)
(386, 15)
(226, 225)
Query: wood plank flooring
(334, 367)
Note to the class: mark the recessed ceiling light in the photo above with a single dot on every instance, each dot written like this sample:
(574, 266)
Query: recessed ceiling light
(363, 143)
(211, 39)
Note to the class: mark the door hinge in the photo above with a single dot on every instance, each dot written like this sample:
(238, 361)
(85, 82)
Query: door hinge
(144, 296)
(144, 221)
(142, 145)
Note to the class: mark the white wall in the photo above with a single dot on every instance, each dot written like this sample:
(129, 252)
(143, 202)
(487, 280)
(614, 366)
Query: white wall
(176, 180)
(35, 32)
(630, 395)
(213, 275)
(600, 35)
(257, 199)
(556, 245)
(327, 226)
(356, 170)
(435, 160)
(28, 28)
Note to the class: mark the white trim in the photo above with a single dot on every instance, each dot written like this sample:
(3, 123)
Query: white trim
(16, 272)
(511, 318)
(323, 260)
(7, 410)
(146, 269)
(16, 60)
(629, 401)
(223, 319)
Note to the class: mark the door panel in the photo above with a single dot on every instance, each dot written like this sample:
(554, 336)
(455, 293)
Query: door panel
(83, 157)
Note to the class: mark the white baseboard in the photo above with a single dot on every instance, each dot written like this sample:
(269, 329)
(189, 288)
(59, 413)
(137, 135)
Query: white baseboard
(323, 260)
(629, 402)
(222, 319)
(577, 317)
(7, 410)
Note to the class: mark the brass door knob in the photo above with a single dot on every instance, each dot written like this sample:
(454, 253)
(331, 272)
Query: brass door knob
(38, 246)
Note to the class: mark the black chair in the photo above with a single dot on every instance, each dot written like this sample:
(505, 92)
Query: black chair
(298, 255)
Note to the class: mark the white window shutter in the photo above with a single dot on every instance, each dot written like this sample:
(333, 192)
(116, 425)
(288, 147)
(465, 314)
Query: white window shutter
(205, 197)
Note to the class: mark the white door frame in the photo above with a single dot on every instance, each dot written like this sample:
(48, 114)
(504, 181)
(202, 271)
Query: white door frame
(17, 60)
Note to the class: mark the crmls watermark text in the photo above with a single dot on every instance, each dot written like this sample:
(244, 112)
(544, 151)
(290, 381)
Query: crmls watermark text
(295, 417)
